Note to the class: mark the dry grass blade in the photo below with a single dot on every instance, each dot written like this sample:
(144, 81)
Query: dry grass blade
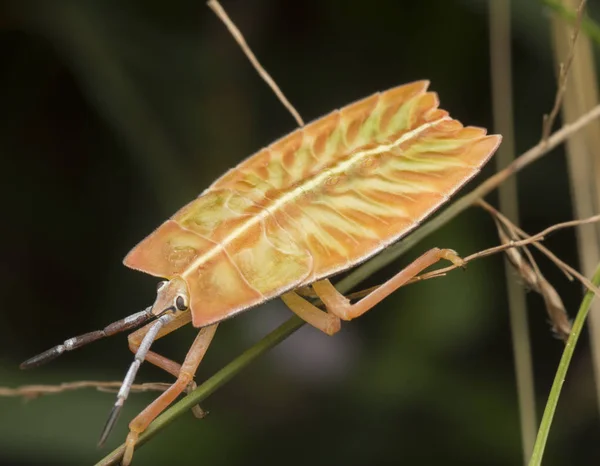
(508, 200)
(239, 38)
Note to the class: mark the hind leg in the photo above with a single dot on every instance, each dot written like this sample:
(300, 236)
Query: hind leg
(337, 304)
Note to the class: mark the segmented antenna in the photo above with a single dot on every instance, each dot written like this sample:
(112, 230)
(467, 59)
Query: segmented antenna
(140, 355)
(122, 325)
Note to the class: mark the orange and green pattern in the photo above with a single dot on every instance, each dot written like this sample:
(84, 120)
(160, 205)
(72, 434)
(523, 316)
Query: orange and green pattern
(316, 202)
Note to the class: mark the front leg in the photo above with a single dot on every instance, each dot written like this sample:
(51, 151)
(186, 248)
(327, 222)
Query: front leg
(141, 422)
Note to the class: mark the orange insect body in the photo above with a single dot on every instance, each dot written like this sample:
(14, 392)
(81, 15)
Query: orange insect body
(316, 202)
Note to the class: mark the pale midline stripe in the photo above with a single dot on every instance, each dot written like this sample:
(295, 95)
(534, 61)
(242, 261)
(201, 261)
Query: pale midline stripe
(306, 187)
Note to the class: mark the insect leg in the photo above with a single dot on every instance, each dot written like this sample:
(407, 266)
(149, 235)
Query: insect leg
(135, 339)
(140, 355)
(308, 312)
(186, 375)
(339, 305)
(168, 365)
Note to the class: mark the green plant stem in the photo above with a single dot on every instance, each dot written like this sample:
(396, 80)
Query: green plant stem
(561, 372)
(354, 278)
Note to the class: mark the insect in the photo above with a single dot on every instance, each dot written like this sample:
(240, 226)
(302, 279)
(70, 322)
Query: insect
(315, 203)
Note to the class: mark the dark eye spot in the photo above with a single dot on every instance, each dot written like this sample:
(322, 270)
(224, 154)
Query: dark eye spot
(180, 303)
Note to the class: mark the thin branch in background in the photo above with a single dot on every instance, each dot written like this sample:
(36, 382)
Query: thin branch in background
(522, 234)
(239, 38)
(563, 76)
(524, 242)
(33, 391)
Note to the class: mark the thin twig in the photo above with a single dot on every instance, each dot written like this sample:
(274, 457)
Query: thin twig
(530, 240)
(533, 277)
(520, 233)
(33, 391)
(569, 271)
(237, 35)
(563, 75)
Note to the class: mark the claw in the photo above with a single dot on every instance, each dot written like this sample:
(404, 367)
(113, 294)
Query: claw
(130, 442)
(452, 256)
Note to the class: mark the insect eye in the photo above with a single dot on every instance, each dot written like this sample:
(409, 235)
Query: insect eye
(181, 303)
(160, 285)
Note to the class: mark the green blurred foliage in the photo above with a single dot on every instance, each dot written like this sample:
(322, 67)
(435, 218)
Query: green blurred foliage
(114, 114)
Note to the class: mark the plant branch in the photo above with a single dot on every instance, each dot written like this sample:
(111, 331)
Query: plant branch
(33, 391)
(239, 38)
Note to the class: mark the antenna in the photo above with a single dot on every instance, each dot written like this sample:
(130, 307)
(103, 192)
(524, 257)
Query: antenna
(127, 323)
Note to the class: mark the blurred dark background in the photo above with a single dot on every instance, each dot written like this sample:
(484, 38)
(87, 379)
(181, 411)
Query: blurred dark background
(115, 114)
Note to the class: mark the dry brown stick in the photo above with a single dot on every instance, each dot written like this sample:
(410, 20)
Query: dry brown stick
(531, 240)
(33, 391)
(563, 75)
(522, 234)
(532, 275)
(569, 271)
(239, 38)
